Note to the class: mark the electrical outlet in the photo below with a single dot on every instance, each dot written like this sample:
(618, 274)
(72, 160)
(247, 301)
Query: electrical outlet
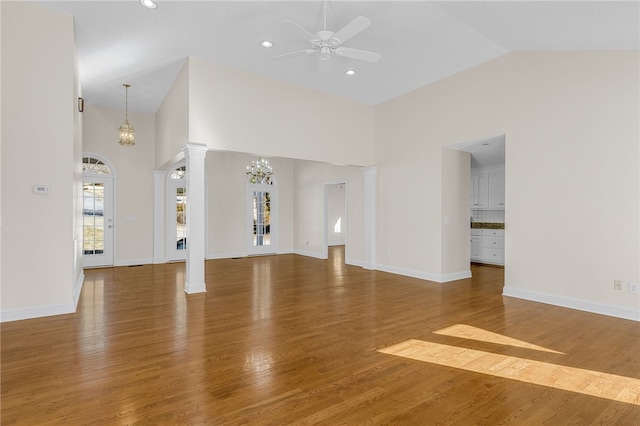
(617, 285)
(633, 288)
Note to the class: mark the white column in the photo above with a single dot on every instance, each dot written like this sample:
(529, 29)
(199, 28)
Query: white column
(195, 154)
(370, 220)
(159, 192)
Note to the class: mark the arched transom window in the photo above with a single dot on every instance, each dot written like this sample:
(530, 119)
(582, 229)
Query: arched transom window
(91, 165)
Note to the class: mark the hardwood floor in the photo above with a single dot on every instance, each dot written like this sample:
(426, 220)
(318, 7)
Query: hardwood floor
(294, 340)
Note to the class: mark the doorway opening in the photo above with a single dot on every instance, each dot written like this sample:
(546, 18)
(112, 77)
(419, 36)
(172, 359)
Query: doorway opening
(335, 219)
(486, 199)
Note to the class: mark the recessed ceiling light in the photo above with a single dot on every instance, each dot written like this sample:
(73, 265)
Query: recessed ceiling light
(350, 73)
(149, 4)
(266, 43)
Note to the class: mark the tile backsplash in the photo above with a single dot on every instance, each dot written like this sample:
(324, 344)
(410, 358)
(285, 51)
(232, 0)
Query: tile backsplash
(495, 216)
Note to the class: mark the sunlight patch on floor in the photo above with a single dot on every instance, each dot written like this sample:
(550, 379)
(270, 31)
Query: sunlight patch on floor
(473, 333)
(572, 379)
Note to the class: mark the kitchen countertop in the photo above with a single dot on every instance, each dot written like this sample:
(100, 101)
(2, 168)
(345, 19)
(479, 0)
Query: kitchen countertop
(487, 225)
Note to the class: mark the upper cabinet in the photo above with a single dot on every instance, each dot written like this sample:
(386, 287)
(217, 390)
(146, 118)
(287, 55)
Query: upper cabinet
(496, 190)
(479, 191)
(487, 190)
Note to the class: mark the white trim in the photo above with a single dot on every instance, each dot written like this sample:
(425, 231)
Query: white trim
(337, 243)
(78, 290)
(214, 256)
(438, 278)
(353, 262)
(309, 254)
(571, 303)
(370, 221)
(130, 262)
(43, 311)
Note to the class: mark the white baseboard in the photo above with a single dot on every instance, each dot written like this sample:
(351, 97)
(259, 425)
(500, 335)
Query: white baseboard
(41, 311)
(335, 243)
(568, 302)
(46, 311)
(354, 262)
(78, 290)
(216, 256)
(438, 278)
(309, 254)
(131, 262)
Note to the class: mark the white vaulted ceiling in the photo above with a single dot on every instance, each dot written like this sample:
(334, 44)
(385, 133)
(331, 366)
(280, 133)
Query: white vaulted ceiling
(420, 41)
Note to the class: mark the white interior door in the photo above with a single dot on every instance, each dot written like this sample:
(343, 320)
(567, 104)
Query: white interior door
(97, 221)
(262, 224)
(177, 220)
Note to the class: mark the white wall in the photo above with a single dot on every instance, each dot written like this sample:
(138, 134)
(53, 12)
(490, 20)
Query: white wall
(40, 140)
(572, 172)
(454, 220)
(231, 110)
(227, 203)
(172, 120)
(133, 178)
(309, 182)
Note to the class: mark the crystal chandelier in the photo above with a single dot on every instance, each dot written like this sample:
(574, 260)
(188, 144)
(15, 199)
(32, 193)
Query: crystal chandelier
(259, 172)
(127, 137)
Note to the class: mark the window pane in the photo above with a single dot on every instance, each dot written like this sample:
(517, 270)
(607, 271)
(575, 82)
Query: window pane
(181, 219)
(93, 218)
(261, 218)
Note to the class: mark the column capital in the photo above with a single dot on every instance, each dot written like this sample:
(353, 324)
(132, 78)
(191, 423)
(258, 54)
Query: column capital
(195, 150)
(370, 171)
(159, 173)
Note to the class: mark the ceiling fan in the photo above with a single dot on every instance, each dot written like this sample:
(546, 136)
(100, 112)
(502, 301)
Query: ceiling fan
(326, 42)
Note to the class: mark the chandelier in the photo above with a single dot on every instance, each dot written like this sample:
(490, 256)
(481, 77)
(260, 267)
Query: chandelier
(127, 137)
(259, 172)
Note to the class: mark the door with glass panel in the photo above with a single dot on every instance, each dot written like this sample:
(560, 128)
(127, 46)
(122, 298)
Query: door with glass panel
(97, 221)
(262, 205)
(177, 215)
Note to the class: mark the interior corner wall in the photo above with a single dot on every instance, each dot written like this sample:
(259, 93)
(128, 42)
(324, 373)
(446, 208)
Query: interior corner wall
(232, 110)
(39, 141)
(133, 190)
(78, 229)
(454, 220)
(172, 120)
(571, 174)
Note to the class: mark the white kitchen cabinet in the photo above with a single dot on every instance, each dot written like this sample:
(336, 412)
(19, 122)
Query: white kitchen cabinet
(496, 190)
(476, 248)
(487, 189)
(487, 246)
(479, 191)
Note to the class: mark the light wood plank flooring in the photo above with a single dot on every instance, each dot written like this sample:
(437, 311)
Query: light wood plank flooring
(294, 340)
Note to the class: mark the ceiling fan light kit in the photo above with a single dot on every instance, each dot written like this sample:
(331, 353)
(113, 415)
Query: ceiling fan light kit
(326, 42)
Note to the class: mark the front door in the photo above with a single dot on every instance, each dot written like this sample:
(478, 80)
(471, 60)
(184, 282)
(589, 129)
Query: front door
(97, 221)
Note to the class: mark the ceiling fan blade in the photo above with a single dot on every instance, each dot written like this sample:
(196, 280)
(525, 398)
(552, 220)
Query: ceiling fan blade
(293, 54)
(351, 29)
(301, 31)
(362, 55)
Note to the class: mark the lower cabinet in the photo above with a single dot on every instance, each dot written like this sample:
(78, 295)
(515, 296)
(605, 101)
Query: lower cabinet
(487, 246)
(476, 245)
